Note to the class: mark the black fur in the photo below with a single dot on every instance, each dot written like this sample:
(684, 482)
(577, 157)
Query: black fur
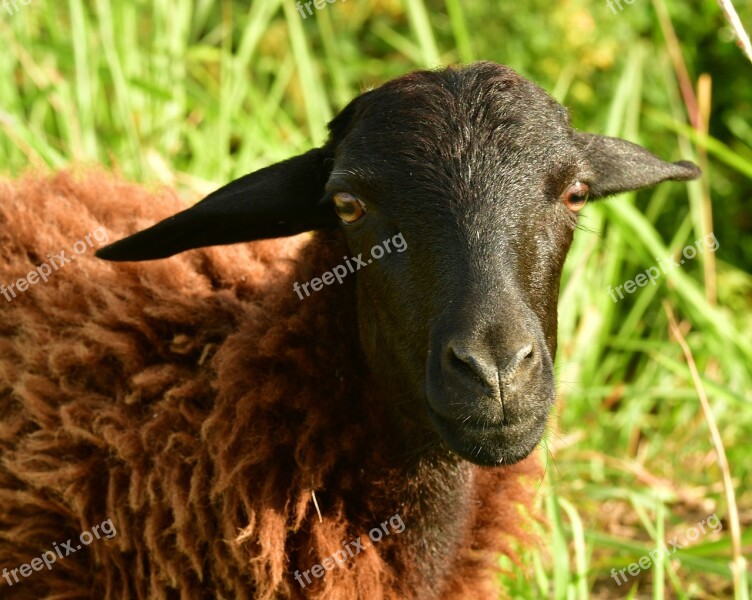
(469, 166)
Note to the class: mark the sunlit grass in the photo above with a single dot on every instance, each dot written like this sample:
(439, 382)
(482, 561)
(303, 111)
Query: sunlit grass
(193, 94)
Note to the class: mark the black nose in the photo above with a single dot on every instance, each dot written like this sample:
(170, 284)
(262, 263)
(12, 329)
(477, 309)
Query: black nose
(466, 362)
(483, 378)
(489, 386)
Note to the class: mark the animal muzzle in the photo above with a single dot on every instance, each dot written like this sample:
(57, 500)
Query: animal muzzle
(489, 389)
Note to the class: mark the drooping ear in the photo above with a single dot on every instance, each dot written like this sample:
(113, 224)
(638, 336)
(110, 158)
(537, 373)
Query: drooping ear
(276, 201)
(620, 166)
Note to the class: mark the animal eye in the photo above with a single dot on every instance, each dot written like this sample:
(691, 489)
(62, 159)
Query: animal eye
(576, 196)
(348, 207)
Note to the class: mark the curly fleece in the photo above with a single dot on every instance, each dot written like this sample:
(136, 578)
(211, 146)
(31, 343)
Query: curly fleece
(198, 404)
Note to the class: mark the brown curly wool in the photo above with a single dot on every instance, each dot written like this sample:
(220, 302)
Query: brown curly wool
(198, 404)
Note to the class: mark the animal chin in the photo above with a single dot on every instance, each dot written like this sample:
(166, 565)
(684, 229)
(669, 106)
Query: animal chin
(490, 444)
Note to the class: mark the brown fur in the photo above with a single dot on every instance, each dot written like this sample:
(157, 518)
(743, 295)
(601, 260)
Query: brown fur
(198, 403)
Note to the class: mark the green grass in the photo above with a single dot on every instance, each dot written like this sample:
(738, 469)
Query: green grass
(194, 93)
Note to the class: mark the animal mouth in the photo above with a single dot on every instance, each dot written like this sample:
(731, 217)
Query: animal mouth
(489, 443)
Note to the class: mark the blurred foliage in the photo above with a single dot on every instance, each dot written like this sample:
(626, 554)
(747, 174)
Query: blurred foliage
(194, 93)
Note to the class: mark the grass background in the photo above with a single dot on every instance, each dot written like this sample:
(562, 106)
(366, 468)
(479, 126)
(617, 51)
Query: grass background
(194, 93)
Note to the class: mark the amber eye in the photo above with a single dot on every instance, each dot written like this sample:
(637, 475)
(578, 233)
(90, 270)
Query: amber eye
(348, 207)
(576, 196)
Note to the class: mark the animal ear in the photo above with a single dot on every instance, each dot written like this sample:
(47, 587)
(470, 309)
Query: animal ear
(620, 166)
(276, 201)
(280, 200)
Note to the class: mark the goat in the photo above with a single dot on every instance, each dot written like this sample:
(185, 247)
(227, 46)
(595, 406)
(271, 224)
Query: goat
(244, 439)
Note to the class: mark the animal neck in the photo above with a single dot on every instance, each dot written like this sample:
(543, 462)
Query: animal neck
(386, 463)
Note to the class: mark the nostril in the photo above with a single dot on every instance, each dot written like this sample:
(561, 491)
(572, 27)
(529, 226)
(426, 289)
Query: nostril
(471, 365)
(466, 364)
(524, 354)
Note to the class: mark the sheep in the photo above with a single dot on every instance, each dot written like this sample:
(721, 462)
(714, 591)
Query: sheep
(245, 440)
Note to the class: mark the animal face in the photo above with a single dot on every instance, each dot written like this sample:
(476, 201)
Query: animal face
(479, 175)
(475, 172)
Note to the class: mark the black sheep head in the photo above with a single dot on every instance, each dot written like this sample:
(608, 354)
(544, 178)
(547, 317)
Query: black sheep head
(476, 178)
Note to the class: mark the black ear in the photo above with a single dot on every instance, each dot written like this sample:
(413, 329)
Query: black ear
(620, 166)
(280, 200)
